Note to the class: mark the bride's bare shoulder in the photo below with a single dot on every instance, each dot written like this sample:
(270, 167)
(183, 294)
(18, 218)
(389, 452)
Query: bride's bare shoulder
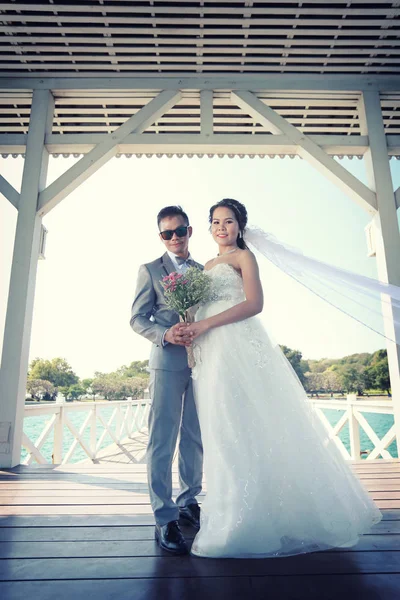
(246, 255)
(208, 264)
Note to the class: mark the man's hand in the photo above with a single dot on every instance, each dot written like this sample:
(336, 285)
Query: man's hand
(179, 335)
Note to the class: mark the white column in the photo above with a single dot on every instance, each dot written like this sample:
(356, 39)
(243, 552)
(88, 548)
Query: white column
(388, 243)
(18, 324)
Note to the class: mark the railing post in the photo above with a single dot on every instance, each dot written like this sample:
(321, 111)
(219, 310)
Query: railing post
(93, 431)
(127, 418)
(354, 428)
(58, 437)
(118, 423)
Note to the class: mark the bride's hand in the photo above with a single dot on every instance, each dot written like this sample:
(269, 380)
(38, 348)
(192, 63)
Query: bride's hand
(197, 329)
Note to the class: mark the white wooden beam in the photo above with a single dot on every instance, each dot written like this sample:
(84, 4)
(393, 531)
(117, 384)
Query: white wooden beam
(102, 153)
(184, 29)
(180, 143)
(67, 39)
(166, 58)
(206, 112)
(197, 143)
(230, 47)
(184, 68)
(387, 234)
(14, 365)
(280, 82)
(9, 191)
(226, 9)
(307, 149)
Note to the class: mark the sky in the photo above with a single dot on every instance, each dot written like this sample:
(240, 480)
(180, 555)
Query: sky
(100, 234)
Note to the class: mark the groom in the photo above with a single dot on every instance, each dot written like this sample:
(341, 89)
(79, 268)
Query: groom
(173, 409)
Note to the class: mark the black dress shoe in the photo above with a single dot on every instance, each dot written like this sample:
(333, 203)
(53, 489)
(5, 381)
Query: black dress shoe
(170, 538)
(191, 513)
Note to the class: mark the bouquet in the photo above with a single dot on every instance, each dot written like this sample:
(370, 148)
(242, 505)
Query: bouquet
(182, 291)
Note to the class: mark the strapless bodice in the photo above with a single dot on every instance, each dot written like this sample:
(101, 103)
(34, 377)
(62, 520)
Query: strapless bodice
(226, 284)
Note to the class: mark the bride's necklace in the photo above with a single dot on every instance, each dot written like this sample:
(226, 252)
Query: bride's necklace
(229, 252)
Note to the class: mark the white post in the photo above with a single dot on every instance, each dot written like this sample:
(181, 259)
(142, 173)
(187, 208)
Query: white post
(59, 437)
(354, 429)
(93, 436)
(388, 243)
(18, 324)
(118, 423)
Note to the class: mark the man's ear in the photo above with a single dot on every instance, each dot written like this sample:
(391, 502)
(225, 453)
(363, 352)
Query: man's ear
(190, 230)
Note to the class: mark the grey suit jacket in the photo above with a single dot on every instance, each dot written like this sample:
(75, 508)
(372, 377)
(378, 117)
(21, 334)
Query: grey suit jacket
(151, 317)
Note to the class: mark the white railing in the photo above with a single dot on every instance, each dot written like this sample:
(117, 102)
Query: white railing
(128, 418)
(353, 415)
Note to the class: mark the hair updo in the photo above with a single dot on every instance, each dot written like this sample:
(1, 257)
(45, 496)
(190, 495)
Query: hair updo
(240, 212)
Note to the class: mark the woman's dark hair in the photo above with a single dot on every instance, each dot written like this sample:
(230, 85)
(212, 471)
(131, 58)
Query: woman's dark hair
(240, 212)
(172, 211)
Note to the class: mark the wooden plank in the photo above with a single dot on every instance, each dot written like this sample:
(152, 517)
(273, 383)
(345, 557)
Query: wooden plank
(390, 519)
(72, 488)
(378, 464)
(118, 509)
(82, 549)
(89, 494)
(382, 504)
(143, 547)
(377, 485)
(133, 477)
(382, 476)
(367, 587)
(83, 520)
(74, 500)
(332, 587)
(212, 588)
(83, 534)
(111, 498)
(167, 567)
(385, 495)
(42, 486)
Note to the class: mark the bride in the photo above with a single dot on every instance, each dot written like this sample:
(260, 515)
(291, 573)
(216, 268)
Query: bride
(276, 484)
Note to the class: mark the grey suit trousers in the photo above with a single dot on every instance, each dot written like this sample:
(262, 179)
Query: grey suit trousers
(173, 411)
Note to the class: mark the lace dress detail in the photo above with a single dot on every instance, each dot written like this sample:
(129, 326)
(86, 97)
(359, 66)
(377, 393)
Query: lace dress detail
(276, 484)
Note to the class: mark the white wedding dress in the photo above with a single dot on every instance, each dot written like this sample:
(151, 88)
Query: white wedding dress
(276, 484)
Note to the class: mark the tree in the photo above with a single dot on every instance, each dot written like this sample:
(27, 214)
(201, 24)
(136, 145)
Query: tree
(112, 386)
(313, 383)
(87, 386)
(295, 359)
(137, 368)
(135, 386)
(57, 371)
(330, 381)
(72, 392)
(351, 378)
(382, 378)
(40, 389)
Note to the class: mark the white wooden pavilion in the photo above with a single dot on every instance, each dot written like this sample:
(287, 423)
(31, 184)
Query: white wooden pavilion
(100, 78)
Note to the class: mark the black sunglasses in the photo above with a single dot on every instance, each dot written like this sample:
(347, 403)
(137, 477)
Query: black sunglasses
(180, 231)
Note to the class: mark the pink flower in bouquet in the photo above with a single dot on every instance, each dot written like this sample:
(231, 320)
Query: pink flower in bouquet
(185, 290)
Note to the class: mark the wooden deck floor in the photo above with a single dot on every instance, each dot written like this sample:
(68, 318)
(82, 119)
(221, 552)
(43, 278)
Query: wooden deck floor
(86, 531)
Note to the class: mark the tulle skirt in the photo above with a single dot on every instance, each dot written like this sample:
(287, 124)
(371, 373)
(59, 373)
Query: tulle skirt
(276, 484)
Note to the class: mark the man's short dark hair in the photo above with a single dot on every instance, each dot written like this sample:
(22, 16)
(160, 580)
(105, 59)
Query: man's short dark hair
(172, 211)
